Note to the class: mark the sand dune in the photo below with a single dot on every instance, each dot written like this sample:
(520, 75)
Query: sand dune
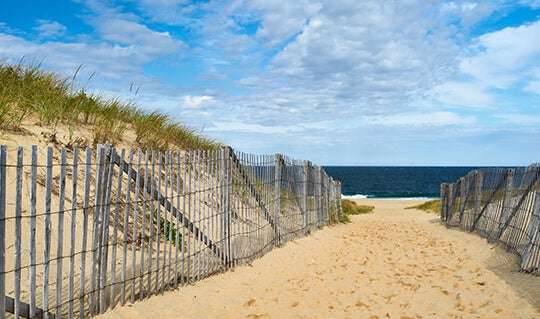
(394, 263)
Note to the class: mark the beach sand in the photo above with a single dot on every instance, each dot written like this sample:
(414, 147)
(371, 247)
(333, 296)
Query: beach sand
(393, 263)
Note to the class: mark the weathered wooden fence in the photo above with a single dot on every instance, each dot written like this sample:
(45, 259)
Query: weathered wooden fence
(500, 204)
(82, 232)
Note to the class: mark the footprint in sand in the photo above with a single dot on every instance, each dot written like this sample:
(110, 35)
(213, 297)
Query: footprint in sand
(256, 316)
(250, 302)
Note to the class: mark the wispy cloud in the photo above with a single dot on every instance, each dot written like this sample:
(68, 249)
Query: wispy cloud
(50, 29)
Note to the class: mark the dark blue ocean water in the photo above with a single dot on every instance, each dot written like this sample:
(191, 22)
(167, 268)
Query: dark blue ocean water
(394, 181)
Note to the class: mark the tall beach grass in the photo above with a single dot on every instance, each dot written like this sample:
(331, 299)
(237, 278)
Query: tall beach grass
(27, 91)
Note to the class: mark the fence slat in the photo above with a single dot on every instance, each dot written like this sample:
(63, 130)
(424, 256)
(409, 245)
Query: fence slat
(143, 226)
(3, 177)
(47, 231)
(134, 240)
(73, 233)
(125, 229)
(116, 223)
(60, 236)
(105, 211)
(18, 231)
(86, 212)
(33, 213)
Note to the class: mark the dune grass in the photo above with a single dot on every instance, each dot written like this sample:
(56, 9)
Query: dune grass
(28, 91)
(350, 207)
(431, 206)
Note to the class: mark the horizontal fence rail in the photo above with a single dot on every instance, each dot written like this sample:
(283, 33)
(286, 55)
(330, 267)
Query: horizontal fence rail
(500, 204)
(83, 231)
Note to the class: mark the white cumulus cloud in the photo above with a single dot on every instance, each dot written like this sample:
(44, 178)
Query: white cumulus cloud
(196, 101)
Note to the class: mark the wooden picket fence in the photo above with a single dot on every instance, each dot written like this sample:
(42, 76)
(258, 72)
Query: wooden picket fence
(83, 233)
(500, 204)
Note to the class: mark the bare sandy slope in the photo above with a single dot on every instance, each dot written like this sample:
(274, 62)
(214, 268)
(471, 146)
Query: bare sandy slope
(394, 263)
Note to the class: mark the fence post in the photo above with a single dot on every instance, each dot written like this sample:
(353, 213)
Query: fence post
(225, 208)
(318, 196)
(534, 227)
(277, 197)
(338, 200)
(444, 199)
(479, 179)
(3, 175)
(326, 192)
(305, 197)
(505, 210)
(463, 194)
(100, 241)
(451, 202)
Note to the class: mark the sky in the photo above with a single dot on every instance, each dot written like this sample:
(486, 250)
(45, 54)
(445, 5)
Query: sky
(337, 82)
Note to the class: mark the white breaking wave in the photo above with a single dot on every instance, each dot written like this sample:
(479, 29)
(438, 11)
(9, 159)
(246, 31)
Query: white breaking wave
(358, 196)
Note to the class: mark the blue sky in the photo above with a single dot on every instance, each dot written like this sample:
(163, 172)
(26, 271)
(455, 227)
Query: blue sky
(338, 82)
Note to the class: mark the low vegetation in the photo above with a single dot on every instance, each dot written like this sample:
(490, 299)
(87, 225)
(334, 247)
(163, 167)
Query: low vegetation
(432, 206)
(29, 93)
(350, 207)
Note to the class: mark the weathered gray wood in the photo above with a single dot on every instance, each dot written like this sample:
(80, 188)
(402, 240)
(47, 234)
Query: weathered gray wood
(197, 208)
(158, 226)
(237, 219)
(60, 236)
(125, 229)
(164, 218)
(100, 229)
(24, 309)
(184, 224)
(105, 211)
(511, 241)
(135, 222)
(252, 189)
(197, 233)
(190, 179)
(143, 226)
(3, 178)
(116, 223)
(73, 233)
(18, 231)
(478, 183)
(534, 229)
(444, 201)
(151, 226)
(172, 222)
(96, 232)
(47, 229)
(226, 216)
(177, 222)
(506, 208)
(86, 211)
(318, 197)
(305, 181)
(33, 213)
(277, 197)
(463, 197)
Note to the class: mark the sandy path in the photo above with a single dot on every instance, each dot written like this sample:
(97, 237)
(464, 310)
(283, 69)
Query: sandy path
(394, 263)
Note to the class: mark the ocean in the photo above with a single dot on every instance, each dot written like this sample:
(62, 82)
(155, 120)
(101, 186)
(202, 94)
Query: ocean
(394, 182)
